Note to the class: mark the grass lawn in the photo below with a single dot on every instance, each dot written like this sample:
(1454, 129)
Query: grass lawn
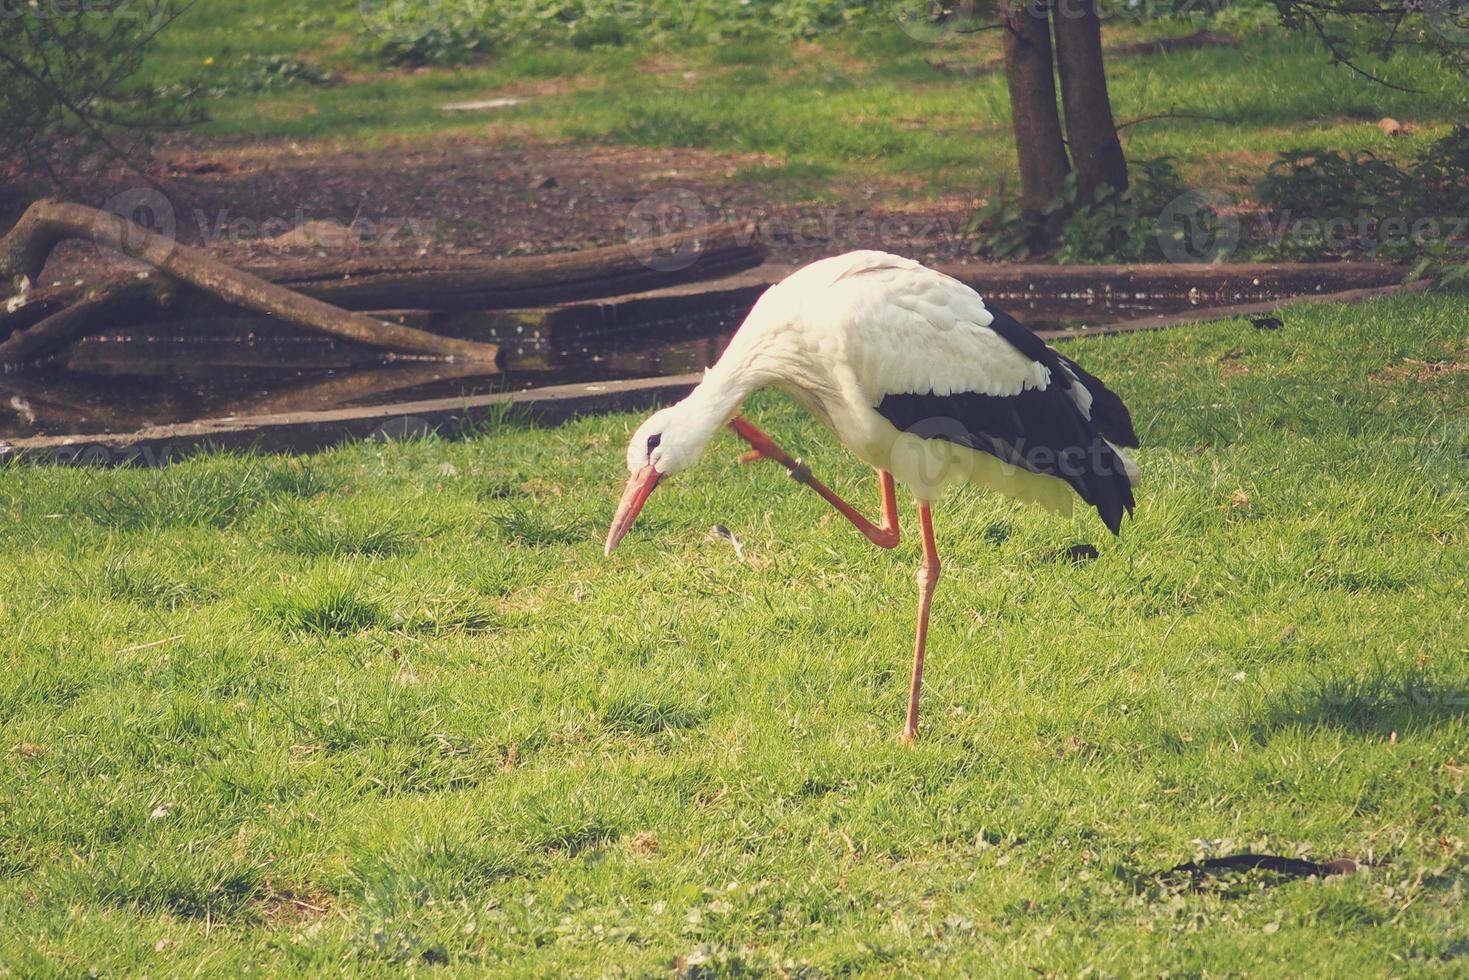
(389, 704)
(845, 114)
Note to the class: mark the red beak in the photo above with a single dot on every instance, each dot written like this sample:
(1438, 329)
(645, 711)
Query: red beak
(634, 495)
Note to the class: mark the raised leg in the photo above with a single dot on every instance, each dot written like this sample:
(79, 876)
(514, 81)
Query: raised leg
(928, 578)
(762, 447)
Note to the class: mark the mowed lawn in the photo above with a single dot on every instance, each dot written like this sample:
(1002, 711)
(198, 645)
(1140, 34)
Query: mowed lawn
(390, 705)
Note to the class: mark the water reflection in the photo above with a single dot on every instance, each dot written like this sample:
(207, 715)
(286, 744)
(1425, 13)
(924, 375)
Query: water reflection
(127, 381)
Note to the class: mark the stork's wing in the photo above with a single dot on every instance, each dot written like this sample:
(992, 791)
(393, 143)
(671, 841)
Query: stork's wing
(935, 361)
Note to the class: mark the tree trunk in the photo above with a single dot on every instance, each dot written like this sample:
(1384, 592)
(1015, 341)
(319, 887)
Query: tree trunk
(1033, 115)
(1090, 132)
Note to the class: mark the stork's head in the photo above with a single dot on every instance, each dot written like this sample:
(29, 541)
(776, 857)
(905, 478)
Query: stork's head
(668, 442)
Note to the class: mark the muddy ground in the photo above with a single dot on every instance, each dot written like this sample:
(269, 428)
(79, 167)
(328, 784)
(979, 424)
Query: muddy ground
(465, 197)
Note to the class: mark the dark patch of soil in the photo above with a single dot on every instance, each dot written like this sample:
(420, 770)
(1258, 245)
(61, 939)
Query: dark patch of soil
(1411, 369)
(290, 909)
(468, 197)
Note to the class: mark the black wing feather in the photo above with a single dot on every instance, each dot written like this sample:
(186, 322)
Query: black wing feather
(1109, 415)
(1040, 430)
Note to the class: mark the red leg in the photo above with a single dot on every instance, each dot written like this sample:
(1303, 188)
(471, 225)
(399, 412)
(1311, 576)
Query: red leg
(928, 578)
(763, 448)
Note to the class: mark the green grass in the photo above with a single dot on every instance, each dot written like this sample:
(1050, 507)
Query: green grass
(847, 108)
(417, 696)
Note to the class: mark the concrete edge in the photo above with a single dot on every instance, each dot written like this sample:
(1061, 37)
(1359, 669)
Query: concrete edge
(1205, 315)
(304, 432)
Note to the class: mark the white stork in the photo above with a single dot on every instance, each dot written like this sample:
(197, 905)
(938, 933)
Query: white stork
(919, 379)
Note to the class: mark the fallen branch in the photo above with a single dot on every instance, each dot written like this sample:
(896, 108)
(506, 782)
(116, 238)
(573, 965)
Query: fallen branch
(34, 305)
(1153, 117)
(1184, 42)
(98, 306)
(454, 285)
(23, 253)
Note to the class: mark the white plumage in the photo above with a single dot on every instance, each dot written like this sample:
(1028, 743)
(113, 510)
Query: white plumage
(917, 377)
(841, 334)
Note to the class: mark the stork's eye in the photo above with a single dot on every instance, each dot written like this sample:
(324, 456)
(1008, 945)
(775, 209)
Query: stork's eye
(653, 441)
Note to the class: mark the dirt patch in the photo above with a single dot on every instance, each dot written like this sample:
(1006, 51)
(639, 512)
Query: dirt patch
(1231, 365)
(1411, 369)
(474, 196)
(289, 909)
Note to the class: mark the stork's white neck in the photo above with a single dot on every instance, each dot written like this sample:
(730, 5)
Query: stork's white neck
(713, 402)
(716, 399)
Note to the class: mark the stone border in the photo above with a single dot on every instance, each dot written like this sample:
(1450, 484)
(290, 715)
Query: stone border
(1206, 286)
(303, 432)
(1207, 314)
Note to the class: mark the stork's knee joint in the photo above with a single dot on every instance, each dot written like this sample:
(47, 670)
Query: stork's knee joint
(801, 473)
(928, 574)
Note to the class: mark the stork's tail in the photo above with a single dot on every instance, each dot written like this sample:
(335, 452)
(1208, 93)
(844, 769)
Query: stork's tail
(1128, 466)
(1105, 410)
(1109, 488)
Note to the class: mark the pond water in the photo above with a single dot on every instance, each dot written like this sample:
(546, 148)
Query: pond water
(126, 381)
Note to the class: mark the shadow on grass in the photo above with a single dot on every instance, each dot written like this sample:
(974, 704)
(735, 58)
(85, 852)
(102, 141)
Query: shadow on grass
(1380, 703)
(1234, 876)
(639, 717)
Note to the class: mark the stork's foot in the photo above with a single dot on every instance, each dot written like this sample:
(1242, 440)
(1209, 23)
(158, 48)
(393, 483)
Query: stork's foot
(909, 736)
(763, 447)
